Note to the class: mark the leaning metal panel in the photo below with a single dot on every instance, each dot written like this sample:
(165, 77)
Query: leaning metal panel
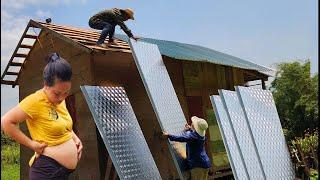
(243, 134)
(121, 133)
(162, 95)
(264, 122)
(229, 139)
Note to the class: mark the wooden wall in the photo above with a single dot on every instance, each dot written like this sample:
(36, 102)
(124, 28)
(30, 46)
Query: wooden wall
(194, 83)
(119, 69)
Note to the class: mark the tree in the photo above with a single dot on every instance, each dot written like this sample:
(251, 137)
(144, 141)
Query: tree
(295, 93)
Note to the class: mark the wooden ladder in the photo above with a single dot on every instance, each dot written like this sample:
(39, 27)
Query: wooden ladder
(15, 54)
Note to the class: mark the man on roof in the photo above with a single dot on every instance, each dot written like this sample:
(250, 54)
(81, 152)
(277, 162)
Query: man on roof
(107, 20)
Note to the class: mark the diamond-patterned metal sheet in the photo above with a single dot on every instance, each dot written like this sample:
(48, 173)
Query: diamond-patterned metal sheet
(121, 133)
(162, 95)
(243, 132)
(229, 139)
(265, 125)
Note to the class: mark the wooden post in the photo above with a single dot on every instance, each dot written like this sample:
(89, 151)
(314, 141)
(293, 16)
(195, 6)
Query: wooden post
(263, 84)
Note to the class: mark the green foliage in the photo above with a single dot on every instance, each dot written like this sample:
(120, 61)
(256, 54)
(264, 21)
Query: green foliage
(10, 161)
(314, 174)
(6, 140)
(10, 171)
(10, 154)
(309, 143)
(295, 93)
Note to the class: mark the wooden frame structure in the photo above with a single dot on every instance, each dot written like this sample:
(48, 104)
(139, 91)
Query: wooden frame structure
(193, 81)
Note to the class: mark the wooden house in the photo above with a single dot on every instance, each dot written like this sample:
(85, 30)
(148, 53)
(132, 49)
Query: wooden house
(196, 72)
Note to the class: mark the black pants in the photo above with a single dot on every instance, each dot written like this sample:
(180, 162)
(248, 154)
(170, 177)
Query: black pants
(107, 29)
(47, 168)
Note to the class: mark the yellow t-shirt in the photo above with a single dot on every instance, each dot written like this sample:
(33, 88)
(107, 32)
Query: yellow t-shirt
(48, 123)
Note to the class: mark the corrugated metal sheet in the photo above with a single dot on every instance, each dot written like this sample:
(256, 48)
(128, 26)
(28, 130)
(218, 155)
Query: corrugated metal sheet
(162, 95)
(198, 53)
(121, 133)
(263, 119)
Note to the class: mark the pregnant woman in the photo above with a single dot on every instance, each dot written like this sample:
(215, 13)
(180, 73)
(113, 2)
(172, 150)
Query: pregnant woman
(57, 148)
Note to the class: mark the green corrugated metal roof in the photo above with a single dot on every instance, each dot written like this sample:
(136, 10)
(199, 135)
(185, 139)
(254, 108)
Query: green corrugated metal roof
(198, 53)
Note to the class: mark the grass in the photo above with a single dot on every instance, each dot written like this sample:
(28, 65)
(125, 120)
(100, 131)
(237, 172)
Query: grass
(314, 174)
(10, 157)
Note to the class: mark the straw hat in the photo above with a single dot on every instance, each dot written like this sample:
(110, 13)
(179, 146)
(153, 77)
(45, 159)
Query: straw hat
(200, 125)
(129, 12)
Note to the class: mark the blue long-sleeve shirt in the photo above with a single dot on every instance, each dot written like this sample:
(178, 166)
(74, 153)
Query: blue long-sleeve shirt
(196, 154)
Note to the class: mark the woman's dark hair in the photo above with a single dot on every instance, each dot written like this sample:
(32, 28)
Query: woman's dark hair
(56, 68)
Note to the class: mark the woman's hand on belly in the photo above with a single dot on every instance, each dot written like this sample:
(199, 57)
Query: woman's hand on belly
(38, 147)
(78, 144)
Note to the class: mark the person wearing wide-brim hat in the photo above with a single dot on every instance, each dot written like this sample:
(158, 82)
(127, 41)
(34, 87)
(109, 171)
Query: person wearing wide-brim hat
(197, 158)
(107, 20)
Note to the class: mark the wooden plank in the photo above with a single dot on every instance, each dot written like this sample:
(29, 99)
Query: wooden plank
(65, 27)
(223, 77)
(94, 40)
(20, 55)
(86, 35)
(219, 86)
(257, 75)
(7, 82)
(16, 64)
(263, 84)
(229, 78)
(60, 36)
(25, 46)
(87, 42)
(108, 49)
(30, 36)
(75, 30)
(108, 169)
(213, 79)
(12, 73)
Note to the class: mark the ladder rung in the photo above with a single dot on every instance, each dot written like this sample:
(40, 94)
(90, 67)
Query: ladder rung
(30, 36)
(20, 55)
(16, 64)
(25, 46)
(7, 82)
(11, 73)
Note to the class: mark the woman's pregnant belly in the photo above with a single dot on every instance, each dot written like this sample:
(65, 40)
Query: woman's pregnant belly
(65, 154)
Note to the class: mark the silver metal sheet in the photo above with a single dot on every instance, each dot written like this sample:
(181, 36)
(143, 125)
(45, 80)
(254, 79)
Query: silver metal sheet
(243, 134)
(229, 139)
(161, 94)
(265, 125)
(121, 133)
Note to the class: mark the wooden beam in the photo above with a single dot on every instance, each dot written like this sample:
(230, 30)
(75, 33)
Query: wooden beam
(60, 36)
(20, 55)
(12, 73)
(88, 42)
(256, 74)
(108, 49)
(7, 82)
(94, 40)
(67, 29)
(29, 36)
(16, 64)
(25, 46)
(263, 84)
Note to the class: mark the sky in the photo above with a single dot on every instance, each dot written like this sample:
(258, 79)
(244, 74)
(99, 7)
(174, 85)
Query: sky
(263, 32)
